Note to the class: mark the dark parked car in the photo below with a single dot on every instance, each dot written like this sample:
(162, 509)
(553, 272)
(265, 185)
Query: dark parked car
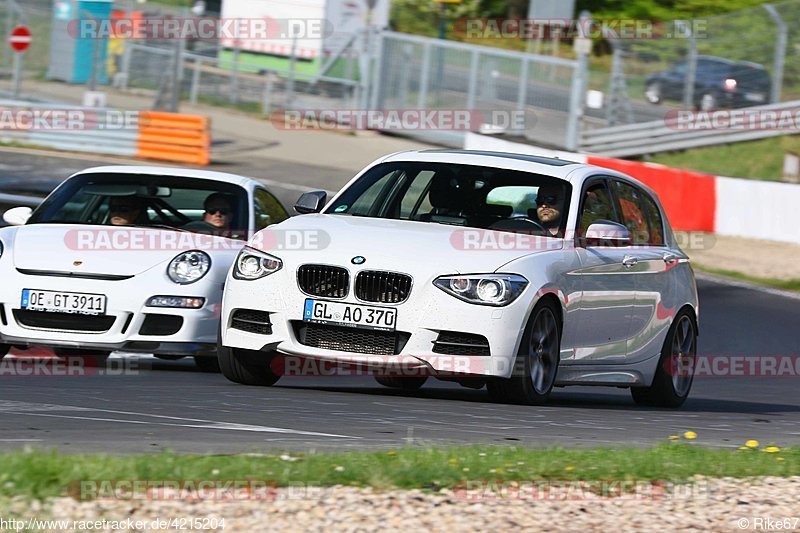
(718, 83)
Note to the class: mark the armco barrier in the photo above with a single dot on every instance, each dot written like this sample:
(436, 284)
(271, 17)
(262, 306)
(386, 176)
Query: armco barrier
(694, 201)
(174, 137)
(147, 134)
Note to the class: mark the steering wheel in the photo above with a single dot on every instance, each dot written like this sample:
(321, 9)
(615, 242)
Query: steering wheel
(513, 223)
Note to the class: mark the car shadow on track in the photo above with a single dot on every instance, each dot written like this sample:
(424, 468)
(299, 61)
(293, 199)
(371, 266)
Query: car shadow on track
(620, 400)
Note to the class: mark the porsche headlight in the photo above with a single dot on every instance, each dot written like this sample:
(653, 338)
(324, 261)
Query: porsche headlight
(252, 264)
(483, 289)
(189, 267)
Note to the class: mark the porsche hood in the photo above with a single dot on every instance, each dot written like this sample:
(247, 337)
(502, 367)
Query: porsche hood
(125, 251)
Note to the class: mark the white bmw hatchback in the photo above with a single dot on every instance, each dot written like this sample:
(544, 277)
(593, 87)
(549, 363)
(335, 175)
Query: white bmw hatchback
(516, 272)
(127, 258)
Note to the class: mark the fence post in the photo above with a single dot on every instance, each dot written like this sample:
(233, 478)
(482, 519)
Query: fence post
(266, 101)
(577, 94)
(292, 67)
(195, 82)
(377, 67)
(472, 88)
(780, 53)
(234, 96)
(691, 67)
(125, 74)
(522, 89)
(423, 83)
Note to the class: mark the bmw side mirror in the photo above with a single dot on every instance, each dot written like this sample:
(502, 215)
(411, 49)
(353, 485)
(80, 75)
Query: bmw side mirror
(311, 202)
(607, 233)
(17, 216)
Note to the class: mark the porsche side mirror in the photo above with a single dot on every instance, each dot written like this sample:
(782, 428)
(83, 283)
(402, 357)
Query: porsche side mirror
(311, 202)
(17, 216)
(607, 233)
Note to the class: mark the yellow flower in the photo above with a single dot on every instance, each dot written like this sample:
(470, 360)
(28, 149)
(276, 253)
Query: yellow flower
(751, 444)
(452, 460)
(772, 449)
(391, 454)
(674, 437)
(743, 448)
(779, 458)
(569, 468)
(690, 435)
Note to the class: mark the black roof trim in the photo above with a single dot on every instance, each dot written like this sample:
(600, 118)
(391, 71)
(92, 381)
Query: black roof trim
(552, 161)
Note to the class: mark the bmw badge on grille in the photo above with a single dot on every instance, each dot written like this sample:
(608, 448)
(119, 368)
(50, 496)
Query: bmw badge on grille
(358, 260)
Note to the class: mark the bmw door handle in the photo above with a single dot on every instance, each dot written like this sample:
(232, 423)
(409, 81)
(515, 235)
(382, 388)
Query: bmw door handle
(628, 261)
(670, 258)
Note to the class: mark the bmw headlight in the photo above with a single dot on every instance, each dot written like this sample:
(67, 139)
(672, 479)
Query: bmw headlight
(252, 264)
(189, 267)
(483, 289)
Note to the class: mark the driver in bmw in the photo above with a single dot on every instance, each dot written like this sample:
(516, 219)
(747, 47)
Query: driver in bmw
(549, 204)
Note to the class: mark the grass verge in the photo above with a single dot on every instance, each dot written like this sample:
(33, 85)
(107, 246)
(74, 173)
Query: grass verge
(762, 159)
(773, 283)
(40, 474)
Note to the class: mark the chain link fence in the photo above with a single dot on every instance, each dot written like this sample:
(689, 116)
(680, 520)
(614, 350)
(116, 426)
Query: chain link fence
(641, 80)
(739, 59)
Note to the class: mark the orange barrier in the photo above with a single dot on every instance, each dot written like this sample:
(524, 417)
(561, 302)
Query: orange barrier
(689, 198)
(174, 137)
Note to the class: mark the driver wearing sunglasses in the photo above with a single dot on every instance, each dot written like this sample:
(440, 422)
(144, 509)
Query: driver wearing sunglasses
(549, 204)
(217, 215)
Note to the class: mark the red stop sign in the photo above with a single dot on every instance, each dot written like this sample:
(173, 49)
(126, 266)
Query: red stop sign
(20, 38)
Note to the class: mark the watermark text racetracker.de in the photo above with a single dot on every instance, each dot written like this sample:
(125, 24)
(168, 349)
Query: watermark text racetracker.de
(124, 239)
(609, 29)
(72, 366)
(68, 119)
(478, 491)
(201, 28)
(735, 366)
(748, 119)
(400, 119)
(193, 489)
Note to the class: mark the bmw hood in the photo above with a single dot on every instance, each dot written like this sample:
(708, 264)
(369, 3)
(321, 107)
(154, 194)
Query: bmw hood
(125, 251)
(399, 245)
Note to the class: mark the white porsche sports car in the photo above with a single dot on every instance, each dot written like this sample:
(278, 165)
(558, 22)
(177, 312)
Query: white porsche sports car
(127, 258)
(518, 272)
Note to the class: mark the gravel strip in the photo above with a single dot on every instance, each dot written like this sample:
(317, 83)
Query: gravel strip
(704, 504)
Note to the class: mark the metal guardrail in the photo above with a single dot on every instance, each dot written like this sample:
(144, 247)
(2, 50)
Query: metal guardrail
(18, 199)
(144, 134)
(666, 135)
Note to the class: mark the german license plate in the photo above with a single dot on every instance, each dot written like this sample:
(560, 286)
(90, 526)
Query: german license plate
(754, 97)
(63, 302)
(343, 314)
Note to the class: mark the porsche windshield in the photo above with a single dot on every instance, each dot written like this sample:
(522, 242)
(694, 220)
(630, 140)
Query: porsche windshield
(200, 206)
(459, 195)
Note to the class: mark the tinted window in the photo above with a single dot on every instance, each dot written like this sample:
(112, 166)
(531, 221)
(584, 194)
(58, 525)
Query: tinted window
(654, 221)
(632, 212)
(267, 209)
(596, 205)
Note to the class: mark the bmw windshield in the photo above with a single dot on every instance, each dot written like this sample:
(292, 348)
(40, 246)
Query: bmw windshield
(459, 195)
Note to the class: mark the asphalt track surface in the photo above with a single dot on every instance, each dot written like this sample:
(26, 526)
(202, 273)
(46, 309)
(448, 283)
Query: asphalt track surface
(160, 405)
